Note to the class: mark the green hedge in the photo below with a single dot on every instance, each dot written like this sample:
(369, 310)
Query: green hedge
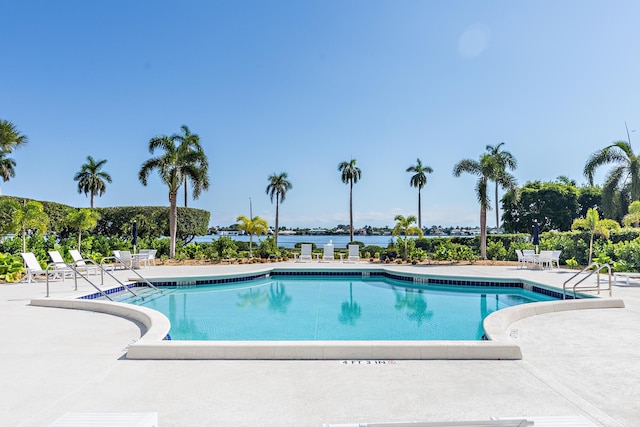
(153, 221)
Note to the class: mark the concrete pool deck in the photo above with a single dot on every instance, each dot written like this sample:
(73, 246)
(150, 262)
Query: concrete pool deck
(53, 361)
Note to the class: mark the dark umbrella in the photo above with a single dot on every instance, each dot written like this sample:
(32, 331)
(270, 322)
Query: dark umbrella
(535, 238)
(135, 236)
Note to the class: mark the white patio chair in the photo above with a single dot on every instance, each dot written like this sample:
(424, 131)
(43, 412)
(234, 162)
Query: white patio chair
(59, 266)
(555, 257)
(34, 269)
(124, 258)
(305, 251)
(81, 265)
(529, 256)
(521, 261)
(327, 254)
(354, 253)
(544, 259)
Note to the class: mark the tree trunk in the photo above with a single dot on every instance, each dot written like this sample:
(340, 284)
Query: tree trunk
(351, 212)
(419, 210)
(497, 211)
(185, 192)
(483, 232)
(250, 245)
(277, 214)
(92, 196)
(79, 239)
(173, 223)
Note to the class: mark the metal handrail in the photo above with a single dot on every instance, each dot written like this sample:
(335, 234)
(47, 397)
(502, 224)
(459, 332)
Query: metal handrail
(75, 278)
(104, 270)
(596, 288)
(124, 264)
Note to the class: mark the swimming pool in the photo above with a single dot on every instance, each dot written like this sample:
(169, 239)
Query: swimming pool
(326, 308)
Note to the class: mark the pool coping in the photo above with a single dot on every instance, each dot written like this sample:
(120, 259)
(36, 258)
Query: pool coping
(500, 346)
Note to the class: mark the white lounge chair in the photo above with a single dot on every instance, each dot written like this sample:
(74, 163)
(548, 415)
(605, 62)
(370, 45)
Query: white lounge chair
(327, 254)
(555, 257)
(354, 253)
(81, 265)
(59, 266)
(305, 251)
(34, 269)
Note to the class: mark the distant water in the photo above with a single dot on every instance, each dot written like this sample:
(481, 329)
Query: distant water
(340, 241)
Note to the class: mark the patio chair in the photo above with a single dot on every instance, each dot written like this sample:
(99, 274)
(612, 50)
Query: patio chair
(59, 266)
(521, 261)
(555, 257)
(327, 254)
(529, 256)
(305, 251)
(152, 257)
(34, 269)
(143, 257)
(81, 265)
(544, 259)
(124, 258)
(354, 253)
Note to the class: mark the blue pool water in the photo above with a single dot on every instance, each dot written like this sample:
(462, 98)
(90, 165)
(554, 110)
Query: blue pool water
(333, 308)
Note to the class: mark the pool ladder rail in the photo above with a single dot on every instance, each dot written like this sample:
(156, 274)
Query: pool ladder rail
(76, 269)
(594, 267)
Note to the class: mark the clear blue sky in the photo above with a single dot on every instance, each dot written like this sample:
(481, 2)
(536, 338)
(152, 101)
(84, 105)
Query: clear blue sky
(299, 86)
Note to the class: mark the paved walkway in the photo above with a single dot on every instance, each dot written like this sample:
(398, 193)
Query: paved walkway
(54, 361)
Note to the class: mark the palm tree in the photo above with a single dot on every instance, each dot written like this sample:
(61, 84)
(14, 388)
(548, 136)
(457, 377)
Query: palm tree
(81, 220)
(350, 175)
(10, 138)
(91, 180)
(484, 169)
(191, 142)
(504, 160)
(173, 166)
(7, 166)
(404, 227)
(419, 180)
(595, 226)
(255, 225)
(278, 187)
(623, 181)
(20, 218)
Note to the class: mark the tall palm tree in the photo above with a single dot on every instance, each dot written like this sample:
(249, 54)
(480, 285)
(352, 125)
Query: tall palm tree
(350, 175)
(484, 169)
(7, 166)
(623, 181)
(404, 226)
(191, 141)
(419, 180)
(91, 179)
(504, 160)
(10, 139)
(255, 225)
(278, 187)
(173, 165)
